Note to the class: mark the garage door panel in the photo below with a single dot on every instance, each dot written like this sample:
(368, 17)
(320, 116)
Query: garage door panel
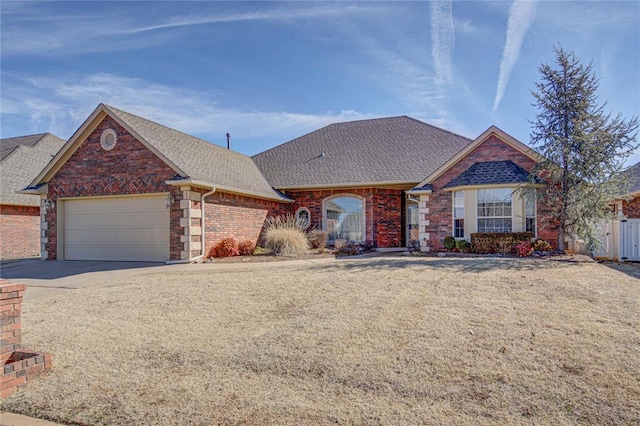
(116, 237)
(126, 228)
(131, 220)
(115, 253)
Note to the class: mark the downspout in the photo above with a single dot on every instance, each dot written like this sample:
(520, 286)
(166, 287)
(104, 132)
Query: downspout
(202, 247)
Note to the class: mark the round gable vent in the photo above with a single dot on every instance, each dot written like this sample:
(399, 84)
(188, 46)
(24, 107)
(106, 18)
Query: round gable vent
(108, 139)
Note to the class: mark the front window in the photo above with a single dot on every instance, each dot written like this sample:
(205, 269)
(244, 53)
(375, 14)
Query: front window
(344, 218)
(530, 214)
(458, 214)
(494, 210)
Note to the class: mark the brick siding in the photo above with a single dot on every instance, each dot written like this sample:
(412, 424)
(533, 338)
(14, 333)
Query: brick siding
(19, 231)
(631, 208)
(238, 217)
(129, 168)
(440, 201)
(383, 211)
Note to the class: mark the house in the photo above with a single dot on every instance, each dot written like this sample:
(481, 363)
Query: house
(620, 238)
(21, 159)
(126, 188)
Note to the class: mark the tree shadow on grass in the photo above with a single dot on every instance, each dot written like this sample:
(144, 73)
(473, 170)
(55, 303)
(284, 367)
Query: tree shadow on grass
(457, 264)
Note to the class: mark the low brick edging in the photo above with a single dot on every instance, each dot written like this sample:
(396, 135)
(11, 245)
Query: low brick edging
(18, 366)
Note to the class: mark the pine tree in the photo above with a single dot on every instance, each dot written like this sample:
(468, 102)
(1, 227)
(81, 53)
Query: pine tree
(584, 148)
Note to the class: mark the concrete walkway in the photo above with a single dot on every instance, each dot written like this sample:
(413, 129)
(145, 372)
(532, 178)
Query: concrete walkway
(11, 419)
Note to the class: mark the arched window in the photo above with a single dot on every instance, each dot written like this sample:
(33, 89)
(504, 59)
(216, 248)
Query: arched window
(303, 217)
(343, 218)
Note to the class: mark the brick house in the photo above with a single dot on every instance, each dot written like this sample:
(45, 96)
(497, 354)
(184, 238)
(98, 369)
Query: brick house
(126, 188)
(21, 159)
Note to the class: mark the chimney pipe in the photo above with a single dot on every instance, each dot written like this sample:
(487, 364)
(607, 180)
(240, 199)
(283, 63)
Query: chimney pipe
(228, 140)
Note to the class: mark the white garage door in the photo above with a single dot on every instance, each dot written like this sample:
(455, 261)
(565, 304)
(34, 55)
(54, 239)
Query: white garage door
(129, 228)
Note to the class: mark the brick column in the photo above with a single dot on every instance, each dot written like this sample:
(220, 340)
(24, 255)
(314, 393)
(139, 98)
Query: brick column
(18, 366)
(423, 223)
(191, 222)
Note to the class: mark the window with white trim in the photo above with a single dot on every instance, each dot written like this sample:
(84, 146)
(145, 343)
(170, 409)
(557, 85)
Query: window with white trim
(458, 214)
(530, 214)
(495, 210)
(344, 218)
(303, 217)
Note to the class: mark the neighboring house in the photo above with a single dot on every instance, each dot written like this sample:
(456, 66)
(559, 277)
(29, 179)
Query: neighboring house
(126, 188)
(21, 159)
(620, 238)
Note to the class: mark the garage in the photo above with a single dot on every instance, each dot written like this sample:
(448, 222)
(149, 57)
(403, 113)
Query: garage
(129, 228)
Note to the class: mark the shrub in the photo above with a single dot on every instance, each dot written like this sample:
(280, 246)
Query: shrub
(227, 247)
(463, 246)
(347, 249)
(367, 246)
(339, 243)
(245, 248)
(449, 242)
(492, 242)
(285, 236)
(524, 249)
(318, 239)
(541, 245)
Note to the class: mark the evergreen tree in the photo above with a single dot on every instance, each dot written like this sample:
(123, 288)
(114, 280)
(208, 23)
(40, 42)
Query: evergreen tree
(584, 148)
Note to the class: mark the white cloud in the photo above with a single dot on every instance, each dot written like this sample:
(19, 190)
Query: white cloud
(521, 15)
(60, 106)
(442, 41)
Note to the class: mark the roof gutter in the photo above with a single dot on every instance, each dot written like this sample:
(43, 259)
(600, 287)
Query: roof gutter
(206, 185)
(202, 234)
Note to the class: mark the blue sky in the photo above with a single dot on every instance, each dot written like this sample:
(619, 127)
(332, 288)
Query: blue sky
(270, 71)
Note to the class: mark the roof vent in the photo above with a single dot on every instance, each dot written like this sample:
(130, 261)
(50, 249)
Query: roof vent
(108, 139)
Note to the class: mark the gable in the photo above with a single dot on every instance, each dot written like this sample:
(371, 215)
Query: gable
(129, 167)
(492, 145)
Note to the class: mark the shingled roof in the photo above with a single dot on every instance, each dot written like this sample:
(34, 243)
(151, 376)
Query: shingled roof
(193, 158)
(633, 174)
(390, 150)
(490, 173)
(21, 159)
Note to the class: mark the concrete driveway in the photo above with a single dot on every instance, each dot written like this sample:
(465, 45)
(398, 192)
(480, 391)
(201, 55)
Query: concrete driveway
(44, 278)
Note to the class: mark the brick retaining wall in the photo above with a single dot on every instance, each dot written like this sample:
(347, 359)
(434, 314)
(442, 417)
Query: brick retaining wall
(19, 366)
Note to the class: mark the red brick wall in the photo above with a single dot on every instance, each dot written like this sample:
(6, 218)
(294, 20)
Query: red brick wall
(129, 168)
(19, 231)
(237, 216)
(383, 211)
(440, 213)
(631, 208)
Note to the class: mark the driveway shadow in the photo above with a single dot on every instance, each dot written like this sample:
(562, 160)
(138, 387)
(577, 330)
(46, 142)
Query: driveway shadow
(51, 269)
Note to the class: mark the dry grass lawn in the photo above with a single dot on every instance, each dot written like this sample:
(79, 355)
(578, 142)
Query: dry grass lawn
(371, 341)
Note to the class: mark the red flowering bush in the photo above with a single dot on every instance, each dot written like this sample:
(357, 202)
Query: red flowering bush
(227, 247)
(524, 249)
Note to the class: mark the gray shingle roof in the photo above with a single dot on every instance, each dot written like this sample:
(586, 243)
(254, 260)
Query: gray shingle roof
(490, 173)
(21, 161)
(633, 174)
(395, 149)
(199, 159)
